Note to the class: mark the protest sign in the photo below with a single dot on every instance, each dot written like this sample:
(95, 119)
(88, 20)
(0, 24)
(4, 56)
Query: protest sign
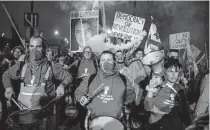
(126, 26)
(83, 26)
(179, 40)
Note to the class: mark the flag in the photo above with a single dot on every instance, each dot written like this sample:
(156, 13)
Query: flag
(191, 60)
(195, 51)
(153, 40)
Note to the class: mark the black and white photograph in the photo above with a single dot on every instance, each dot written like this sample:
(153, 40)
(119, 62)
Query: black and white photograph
(104, 65)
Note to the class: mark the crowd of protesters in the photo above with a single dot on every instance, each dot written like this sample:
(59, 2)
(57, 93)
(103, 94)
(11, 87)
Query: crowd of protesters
(131, 93)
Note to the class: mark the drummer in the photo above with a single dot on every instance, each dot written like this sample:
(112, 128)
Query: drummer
(37, 77)
(108, 89)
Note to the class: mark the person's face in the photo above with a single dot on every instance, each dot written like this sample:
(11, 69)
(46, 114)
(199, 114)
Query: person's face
(87, 53)
(61, 60)
(50, 55)
(139, 55)
(80, 30)
(119, 57)
(36, 48)
(173, 55)
(17, 53)
(106, 62)
(172, 74)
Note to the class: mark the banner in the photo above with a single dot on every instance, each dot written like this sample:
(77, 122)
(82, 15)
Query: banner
(83, 26)
(179, 40)
(126, 26)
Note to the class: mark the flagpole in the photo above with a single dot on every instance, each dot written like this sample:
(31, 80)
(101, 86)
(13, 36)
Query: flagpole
(13, 25)
(206, 55)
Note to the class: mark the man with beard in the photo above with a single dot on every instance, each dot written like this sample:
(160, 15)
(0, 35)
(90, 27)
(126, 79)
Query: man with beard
(105, 93)
(38, 78)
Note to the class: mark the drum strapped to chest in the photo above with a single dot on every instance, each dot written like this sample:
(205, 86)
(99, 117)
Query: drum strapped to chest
(30, 94)
(27, 120)
(105, 123)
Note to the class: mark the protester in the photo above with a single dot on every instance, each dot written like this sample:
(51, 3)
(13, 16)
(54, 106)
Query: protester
(202, 105)
(173, 54)
(86, 66)
(120, 65)
(16, 53)
(37, 76)
(112, 90)
(166, 101)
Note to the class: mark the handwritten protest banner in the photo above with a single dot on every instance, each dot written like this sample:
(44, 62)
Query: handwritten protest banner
(179, 40)
(127, 26)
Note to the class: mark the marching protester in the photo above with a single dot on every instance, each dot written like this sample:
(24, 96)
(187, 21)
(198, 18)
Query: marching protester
(16, 53)
(37, 79)
(120, 64)
(86, 66)
(105, 93)
(166, 101)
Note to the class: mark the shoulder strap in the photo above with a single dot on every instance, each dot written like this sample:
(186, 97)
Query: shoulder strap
(123, 79)
(23, 71)
(78, 64)
(91, 78)
(95, 63)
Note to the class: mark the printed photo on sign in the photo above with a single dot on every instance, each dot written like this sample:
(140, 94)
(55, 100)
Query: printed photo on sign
(83, 26)
(179, 40)
(126, 26)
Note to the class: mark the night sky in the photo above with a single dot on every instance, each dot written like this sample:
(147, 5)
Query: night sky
(170, 17)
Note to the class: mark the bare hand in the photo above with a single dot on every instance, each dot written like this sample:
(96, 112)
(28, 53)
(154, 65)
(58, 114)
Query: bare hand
(59, 91)
(84, 100)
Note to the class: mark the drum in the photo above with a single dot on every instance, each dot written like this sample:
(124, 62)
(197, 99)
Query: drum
(27, 120)
(106, 123)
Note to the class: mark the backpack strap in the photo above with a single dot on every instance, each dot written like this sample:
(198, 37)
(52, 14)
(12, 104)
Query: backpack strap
(91, 78)
(78, 64)
(123, 79)
(22, 75)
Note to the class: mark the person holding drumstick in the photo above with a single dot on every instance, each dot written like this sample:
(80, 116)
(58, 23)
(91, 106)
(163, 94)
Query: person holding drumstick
(106, 95)
(38, 77)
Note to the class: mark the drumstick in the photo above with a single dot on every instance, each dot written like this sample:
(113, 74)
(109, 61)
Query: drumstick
(92, 95)
(17, 104)
(49, 103)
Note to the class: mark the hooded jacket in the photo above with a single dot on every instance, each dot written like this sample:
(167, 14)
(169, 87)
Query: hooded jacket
(110, 94)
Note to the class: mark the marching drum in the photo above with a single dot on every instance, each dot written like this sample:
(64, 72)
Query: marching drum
(105, 123)
(27, 120)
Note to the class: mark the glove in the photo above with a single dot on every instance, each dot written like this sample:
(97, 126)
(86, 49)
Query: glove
(84, 100)
(8, 93)
(59, 91)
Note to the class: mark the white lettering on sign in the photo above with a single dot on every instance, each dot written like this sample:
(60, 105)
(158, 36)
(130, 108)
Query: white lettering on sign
(127, 26)
(31, 19)
(84, 14)
(179, 40)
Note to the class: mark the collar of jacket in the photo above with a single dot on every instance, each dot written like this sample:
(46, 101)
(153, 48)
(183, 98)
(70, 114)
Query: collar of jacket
(115, 73)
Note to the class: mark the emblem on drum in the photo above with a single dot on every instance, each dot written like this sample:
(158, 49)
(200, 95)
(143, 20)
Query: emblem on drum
(105, 97)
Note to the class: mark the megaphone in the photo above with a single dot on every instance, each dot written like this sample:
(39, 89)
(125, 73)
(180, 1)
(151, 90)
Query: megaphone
(154, 59)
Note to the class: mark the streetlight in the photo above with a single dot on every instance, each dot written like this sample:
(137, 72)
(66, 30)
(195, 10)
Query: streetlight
(56, 33)
(2, 35)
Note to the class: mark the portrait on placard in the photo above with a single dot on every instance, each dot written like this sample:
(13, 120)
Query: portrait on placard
(82, 28)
